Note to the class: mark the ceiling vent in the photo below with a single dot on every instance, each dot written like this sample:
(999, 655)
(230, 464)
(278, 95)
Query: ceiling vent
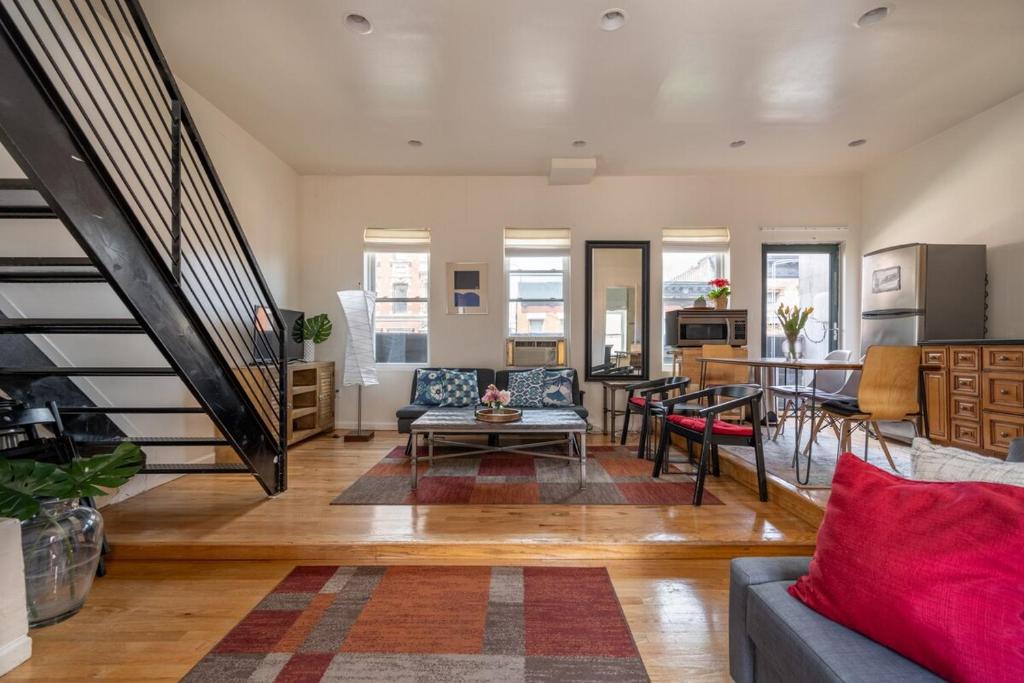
(572, 171)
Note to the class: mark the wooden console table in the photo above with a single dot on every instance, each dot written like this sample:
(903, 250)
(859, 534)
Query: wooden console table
(310, 399)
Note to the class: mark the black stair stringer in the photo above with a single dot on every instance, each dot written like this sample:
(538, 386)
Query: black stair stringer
(45, 140)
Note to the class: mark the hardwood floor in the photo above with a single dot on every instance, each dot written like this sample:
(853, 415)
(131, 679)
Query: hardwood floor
(152, 621)
(227, 517)
(154, 616)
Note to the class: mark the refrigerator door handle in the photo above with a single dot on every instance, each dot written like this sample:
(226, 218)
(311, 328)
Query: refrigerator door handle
(892, 313)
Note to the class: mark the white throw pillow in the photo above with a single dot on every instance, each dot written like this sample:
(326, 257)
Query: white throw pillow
(930, 462)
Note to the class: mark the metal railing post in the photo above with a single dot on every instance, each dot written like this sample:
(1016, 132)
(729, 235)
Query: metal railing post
(176, 190)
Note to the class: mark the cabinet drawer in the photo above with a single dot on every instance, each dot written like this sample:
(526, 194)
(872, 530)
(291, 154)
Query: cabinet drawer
(1004, 391)
(965, 383)
(964, 408)
(965, 433)
(965, 357)
(1003, 357)
(1000, 430)
(934, 356)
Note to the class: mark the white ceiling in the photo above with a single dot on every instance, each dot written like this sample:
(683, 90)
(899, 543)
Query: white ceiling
(501, 86)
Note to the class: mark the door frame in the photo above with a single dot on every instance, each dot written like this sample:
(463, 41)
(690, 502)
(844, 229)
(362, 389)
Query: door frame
(832, 249)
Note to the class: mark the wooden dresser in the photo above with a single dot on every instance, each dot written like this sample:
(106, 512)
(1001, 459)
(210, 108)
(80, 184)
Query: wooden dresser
(974, 393)
(310, 399)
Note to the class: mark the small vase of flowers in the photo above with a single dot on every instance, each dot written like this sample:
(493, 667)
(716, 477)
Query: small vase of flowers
(720, 293)
(793, 320)
(497, 409)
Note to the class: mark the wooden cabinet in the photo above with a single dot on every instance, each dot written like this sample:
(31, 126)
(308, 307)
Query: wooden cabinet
(974, 395)
(310, 399)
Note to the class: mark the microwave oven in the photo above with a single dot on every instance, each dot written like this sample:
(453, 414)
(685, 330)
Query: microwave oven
(699, 327)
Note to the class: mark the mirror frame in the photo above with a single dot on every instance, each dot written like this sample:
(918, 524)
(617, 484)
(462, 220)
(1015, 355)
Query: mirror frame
(645, 266)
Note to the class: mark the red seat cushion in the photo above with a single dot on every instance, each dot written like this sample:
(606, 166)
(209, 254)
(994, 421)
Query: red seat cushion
(718, 427)
(930, 570)
(638, 401)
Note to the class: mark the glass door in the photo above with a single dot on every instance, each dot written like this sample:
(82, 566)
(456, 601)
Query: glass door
(800, 275)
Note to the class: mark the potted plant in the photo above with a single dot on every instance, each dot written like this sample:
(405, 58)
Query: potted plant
(793, 320)
(315, 330)
(61, 540)
(720, 292)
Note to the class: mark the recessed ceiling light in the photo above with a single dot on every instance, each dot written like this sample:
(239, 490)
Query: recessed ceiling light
(856, 143)
(613, 19)
(415, 143)
(579, 143)
(359, 24)
(737, 143)
(873, 16)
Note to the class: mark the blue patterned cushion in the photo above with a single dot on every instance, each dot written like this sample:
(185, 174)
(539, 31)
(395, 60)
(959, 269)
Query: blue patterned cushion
(429, 387)
(527, 388)
(460, 389)
(558, 389)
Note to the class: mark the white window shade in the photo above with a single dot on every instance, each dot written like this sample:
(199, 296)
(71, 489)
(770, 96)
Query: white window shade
(396, 239)
(695, 239)
(537, 241)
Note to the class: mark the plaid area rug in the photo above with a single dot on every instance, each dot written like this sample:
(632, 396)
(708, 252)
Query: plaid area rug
(499, 624)
(614, 477)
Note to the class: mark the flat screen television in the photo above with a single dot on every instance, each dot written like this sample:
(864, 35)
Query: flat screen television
(264, 341)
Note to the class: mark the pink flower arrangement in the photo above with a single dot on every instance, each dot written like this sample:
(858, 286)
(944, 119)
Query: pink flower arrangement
(495, 398)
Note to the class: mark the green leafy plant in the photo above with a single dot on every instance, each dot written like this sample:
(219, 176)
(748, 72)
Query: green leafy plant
(317, 329)
(23, 483)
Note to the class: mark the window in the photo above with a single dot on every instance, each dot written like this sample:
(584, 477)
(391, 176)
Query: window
(801, 275)
(397, 266)
(690, 258)
(537, 268)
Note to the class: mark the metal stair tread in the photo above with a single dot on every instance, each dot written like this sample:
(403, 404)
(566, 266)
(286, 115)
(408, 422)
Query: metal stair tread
(70, 326)
(68, 371)
(152, 440)
(131, 410)
(195, 468)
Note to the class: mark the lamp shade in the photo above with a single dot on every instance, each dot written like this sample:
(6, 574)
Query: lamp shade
(360, 366)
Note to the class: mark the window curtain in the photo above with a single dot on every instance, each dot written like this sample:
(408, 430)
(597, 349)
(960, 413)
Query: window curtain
(695, 239)
(403, 240)
(537, 241)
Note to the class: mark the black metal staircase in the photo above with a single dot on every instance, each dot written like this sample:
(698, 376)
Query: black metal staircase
(90, 111)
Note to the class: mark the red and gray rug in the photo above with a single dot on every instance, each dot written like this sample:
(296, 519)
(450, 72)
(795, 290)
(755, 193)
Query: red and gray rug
(615, 476)
(498, 624)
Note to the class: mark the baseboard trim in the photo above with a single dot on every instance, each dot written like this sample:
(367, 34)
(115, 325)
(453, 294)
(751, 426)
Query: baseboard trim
(15, 653)
(351, 424)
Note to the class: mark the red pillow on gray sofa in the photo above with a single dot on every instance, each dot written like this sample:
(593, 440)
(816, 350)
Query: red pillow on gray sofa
(934, 571)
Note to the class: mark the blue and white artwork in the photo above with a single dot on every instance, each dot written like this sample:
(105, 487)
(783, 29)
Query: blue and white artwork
(467, 288)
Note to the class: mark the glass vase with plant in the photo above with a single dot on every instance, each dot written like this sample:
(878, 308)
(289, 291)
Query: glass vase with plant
(793, 320)
(61, 540)
(316, 330)
(720, 292)
(495, 398)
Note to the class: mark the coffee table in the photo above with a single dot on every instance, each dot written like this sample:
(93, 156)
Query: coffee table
(436, 423)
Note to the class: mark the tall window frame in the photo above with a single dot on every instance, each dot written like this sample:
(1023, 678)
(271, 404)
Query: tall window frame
(690, 257)
(535, 260)
(395, 261)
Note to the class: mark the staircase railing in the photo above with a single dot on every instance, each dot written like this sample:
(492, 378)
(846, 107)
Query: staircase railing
(103, 62)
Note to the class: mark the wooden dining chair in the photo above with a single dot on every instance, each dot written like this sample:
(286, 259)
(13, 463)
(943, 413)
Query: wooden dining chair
(639, 399)
(888, 392)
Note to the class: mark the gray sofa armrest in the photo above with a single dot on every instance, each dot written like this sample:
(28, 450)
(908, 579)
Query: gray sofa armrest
(745, 572)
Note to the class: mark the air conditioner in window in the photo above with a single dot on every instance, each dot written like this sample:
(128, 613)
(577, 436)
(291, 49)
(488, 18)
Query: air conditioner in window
(533, 353)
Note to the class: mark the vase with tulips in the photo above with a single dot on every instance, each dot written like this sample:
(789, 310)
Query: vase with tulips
(793, 320)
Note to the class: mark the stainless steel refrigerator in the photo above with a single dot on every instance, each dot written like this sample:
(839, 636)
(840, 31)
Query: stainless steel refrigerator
(921, 292)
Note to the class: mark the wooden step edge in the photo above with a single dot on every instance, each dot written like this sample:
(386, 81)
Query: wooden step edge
(437, 551)
(786, 495)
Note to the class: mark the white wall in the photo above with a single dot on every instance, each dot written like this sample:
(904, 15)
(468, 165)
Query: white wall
(264, 192)
(963, 186)
(468, 214)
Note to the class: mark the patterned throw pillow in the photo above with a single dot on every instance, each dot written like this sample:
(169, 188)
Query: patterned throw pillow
(460, 389)
(527, 387)
(429, 387)
(558, 389)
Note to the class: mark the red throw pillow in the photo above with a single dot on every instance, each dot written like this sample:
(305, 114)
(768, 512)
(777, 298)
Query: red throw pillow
(934, 571)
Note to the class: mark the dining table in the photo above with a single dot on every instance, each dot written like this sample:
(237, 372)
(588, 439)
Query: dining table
(766, 367)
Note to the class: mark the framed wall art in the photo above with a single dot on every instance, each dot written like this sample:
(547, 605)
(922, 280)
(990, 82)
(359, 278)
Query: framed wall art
(467, 288)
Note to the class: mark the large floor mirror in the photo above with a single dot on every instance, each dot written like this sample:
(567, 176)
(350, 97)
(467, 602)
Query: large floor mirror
(618, 310)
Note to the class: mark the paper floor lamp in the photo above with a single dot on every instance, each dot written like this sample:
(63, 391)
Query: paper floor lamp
(360, 368)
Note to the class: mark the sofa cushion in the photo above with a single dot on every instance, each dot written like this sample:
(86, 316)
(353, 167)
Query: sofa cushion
(460, 389)
(802, 645)
(558, 389)
(931, 570)
(412, 411)
(429, 389)
(930, 462)
(527, 387)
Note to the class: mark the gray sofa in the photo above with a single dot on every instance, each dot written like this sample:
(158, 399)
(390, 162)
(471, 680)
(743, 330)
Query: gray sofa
(775, 638)
(408, 413)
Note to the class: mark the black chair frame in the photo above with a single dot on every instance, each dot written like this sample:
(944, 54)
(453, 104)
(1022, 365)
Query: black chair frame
(652, 391)
(738, 396)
